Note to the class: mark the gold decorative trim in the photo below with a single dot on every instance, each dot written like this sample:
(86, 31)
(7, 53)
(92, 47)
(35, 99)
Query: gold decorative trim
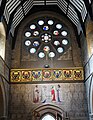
(28, 75)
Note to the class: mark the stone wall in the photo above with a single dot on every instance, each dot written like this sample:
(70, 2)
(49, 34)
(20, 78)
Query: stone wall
(89, 68)
(8, 52)
(5, 97)
(72, 100)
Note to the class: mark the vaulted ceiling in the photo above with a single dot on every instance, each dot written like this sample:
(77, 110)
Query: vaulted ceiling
(14, 11)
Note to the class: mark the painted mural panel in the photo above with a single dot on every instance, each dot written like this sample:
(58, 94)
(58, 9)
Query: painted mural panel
(68, 74)
(36, 75)
(57, 74)
(47, 93)
(16, 76)
(78, 74)
(47, 74)
(26, 75)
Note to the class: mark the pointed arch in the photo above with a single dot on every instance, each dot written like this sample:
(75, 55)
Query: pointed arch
(48, 109)
(2, 40)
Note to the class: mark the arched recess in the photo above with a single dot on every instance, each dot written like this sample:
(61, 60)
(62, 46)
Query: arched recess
(68, 59)
(3, 100)
(2, 40)
(48, 109)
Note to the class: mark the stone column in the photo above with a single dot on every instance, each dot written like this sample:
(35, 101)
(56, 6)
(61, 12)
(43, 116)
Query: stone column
(89, 37)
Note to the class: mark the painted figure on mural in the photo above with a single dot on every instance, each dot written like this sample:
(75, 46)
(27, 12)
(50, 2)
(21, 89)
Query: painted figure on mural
(44, 94)
(53, 93)
(36, 94)
(59, 93)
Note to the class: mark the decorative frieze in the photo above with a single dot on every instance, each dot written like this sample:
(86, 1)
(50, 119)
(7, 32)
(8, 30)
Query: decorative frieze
(29, 75)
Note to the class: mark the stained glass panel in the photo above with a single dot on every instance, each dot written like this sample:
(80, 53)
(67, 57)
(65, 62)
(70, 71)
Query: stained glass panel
(64, 33)
(27, 42)
(41, 55)
(40, 22)
(51, 54)
(50, 22)
(56, 43)
(27, 34)
(32, 50)
(58, 26)
(32, 26)
(64, 41)
(36, 43)
(36, 33)
(60, 50)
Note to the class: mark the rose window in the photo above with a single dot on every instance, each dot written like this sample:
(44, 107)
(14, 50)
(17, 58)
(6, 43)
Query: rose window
(46, 36)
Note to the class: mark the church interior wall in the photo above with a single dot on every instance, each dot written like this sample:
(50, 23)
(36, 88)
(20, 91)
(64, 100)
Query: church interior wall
(24, 98)
(73, 96)
(22, 102)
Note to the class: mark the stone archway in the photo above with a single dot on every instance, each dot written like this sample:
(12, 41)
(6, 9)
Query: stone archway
(48, 110)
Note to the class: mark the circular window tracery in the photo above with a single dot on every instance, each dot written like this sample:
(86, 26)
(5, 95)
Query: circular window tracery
(58, 26)
(64, 33)
(27, 34)
(64, 41)
(46, 34)
(27, 42)
(32, 50)
(32, 27)
(60, 50)
(35, 43)
(36, 33)
(41, 55)
(50, 22)
(40, 22)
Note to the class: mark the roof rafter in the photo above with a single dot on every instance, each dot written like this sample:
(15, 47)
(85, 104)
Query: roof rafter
(77, 12)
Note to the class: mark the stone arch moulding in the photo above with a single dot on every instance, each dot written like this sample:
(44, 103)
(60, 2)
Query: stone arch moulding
(41, 110)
